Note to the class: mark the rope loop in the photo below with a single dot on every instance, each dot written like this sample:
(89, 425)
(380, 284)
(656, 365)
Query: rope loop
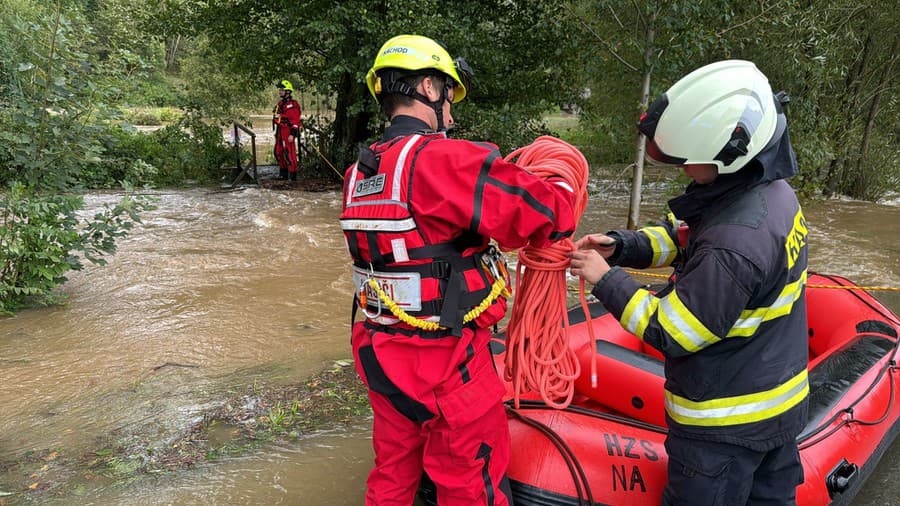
(538, 356)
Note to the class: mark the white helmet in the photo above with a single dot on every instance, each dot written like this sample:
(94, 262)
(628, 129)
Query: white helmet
(722, 114)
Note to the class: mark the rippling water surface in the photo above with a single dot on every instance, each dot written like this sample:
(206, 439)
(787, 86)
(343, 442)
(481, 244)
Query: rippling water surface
(217, 290)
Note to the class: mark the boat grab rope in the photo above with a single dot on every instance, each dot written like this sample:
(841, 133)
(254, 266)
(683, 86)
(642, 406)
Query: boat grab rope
(579, 477)
(847, 414)
(538, 357)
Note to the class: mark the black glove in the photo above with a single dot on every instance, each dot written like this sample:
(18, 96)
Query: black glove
(295, 131)
(619, 243)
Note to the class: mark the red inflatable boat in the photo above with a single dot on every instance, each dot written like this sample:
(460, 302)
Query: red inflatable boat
(607, 448)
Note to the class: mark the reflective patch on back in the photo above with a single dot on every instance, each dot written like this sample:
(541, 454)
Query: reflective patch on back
(369, 186)
(399, 249)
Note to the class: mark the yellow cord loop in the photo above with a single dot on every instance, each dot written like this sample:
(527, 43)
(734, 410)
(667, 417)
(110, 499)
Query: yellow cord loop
(835, 287)
(497, 289)
(866, 288)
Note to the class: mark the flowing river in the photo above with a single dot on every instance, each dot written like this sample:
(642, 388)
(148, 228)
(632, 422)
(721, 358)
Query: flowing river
(219, 290)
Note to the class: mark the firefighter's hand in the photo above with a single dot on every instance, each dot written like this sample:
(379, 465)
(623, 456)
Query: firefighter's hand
(603, 244)
(294, 131)
(588, 264)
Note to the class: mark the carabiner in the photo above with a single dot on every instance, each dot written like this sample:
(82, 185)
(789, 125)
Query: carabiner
(362, 289)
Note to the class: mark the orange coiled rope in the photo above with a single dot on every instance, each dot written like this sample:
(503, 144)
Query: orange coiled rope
(538, 357)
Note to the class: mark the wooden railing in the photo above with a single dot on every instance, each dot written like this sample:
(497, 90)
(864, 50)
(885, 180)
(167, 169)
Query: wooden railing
(237, 153)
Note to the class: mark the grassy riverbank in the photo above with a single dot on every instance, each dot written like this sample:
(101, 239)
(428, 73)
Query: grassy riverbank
(330, 399)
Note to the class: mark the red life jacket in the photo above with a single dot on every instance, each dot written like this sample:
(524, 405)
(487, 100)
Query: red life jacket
(287, 113)
(435, 282)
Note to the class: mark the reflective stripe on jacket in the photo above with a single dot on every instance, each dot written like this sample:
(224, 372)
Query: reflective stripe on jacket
(732, 320)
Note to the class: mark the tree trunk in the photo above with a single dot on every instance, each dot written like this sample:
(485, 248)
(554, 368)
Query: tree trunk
(883, 85)
(836, 181)
(634, 205)
(172, 52)
(831, 177)
(847, 176)
(349, 129)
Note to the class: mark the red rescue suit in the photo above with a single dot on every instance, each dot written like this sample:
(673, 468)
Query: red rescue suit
(418, 212)
(286, 120)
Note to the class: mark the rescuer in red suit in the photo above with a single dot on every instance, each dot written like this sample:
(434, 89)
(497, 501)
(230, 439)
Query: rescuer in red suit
(419, 211)
(286, 122)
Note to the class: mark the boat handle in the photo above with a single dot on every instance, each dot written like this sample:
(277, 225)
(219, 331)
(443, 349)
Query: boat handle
(840, 478)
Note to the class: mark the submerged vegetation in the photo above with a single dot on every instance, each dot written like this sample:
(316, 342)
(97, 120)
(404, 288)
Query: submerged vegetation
(331, 399)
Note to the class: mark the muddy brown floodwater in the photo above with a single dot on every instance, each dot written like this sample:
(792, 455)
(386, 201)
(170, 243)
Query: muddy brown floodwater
(251, 287)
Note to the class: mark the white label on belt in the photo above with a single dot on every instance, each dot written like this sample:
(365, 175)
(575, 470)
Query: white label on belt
(404, 288)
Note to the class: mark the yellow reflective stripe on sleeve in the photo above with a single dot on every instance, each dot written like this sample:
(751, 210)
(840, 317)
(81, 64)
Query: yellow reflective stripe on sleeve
(678, 321)
(664, 249)
(674, 221)
(739, 409)
(751, 319)
(638, 311)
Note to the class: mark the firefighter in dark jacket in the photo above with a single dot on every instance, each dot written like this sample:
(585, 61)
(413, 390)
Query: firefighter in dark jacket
(419, 210)
(731, 322)
(286, 122)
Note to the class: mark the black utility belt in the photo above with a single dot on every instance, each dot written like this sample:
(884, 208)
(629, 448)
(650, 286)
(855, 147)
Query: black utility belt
(424, 334)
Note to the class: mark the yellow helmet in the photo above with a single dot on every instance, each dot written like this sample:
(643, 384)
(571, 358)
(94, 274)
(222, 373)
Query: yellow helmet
(417, 54)
(285, 84)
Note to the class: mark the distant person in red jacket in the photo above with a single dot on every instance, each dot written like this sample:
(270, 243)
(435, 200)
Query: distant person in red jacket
(286, 122)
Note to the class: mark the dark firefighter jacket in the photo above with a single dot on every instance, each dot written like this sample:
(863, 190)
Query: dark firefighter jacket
(732, 320)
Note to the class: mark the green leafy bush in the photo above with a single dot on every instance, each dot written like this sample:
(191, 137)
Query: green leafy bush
(188, 150)
(41, 239)
(54, 135)
(152, 115)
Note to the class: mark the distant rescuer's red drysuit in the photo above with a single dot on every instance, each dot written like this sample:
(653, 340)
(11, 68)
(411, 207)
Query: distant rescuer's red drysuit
(419, 210)
(286, 118)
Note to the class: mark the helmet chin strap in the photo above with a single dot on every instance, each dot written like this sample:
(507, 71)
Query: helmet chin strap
(437, 105)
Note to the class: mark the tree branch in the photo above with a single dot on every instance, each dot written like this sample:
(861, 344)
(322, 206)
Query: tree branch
(735, 27)
(615, 16)
(637, 10)
(605, 43)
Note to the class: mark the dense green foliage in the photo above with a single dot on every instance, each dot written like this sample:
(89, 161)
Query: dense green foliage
(41, 238)
(68, 70)
(524, 58)
(835, 58)
(60, 91)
